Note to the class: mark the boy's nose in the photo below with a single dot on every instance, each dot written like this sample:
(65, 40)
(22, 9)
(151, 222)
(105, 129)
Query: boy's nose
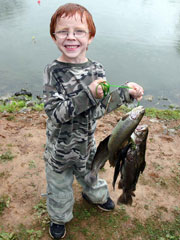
(71, 35)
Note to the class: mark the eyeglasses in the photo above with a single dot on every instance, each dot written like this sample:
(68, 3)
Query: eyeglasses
(77, 34)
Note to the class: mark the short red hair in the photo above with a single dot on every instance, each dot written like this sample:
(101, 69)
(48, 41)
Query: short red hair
(70, 9)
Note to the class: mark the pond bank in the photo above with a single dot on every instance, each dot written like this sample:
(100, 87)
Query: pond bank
(22, 176)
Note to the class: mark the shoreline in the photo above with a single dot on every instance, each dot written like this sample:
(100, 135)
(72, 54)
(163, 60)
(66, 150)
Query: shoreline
(162, 103)
(22, 174)
(24, 101)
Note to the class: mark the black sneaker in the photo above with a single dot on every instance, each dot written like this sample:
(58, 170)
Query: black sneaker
(57, 231)
(107, 206)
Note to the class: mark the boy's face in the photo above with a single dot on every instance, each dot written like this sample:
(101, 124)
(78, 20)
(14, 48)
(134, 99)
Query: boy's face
(73, 48)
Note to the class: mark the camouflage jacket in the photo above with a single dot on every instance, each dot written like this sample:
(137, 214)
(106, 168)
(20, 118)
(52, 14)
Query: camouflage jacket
(72, 112)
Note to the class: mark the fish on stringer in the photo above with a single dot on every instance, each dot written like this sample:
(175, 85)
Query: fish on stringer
(132, 163)
(110, 147)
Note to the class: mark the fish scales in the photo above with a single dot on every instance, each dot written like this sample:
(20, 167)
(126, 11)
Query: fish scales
(119, 137)
(122, 132)
(133, 164)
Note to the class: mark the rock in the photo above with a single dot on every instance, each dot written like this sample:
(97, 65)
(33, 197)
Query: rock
(148, 98)
(30, 104)
(163, 98)
(24, 110)
(20, 98)
(153, 120)
(23, 92)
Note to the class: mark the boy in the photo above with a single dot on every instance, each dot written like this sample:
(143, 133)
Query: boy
(73, 101)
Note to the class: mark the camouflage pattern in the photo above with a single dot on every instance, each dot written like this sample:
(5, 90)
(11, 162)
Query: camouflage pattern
(72, 112)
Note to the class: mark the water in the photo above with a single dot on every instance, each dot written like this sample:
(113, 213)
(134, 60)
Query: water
(136, 40)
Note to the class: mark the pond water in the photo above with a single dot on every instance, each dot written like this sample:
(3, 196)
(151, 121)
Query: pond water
(136, 40)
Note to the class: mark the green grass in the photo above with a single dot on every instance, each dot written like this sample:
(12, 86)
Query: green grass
(163, 114)
(167, 114)
(16, 105)
(22, 234)
(6, 156)
(90, 223)
(4, 203)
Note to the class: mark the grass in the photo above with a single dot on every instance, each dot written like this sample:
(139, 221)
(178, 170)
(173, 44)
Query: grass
(22, 234)
(15, 105)
(4, 203)
(6, 156)
(90, 223)
(167, 114)
(163, 114)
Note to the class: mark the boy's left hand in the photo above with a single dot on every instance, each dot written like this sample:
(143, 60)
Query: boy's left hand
(136, 90)
(96, 89)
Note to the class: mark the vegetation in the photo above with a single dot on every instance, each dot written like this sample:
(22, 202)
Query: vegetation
(13, 104)
(168, 114)
(22, 234)
(4, 203)
(163, 114)
(90, 223)
(7, 156)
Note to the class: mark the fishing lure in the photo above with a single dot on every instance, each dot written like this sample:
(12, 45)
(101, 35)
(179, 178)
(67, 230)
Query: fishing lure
(106, 88)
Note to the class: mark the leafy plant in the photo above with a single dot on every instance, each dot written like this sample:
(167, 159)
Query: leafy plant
(4, 203)
(7, 156)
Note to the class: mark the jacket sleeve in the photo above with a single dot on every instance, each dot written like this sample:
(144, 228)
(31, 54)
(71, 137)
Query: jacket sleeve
(112, 101)
(58, 106)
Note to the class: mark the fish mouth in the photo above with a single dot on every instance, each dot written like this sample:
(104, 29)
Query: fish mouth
(141, 128)
(140, 133)
(137, 112)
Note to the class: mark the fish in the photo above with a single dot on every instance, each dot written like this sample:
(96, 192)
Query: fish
(122, 132)
(99, 160)
(105, 150)
(133, 164)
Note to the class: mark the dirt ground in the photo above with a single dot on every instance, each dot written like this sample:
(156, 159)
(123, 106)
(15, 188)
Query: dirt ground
(23, 178)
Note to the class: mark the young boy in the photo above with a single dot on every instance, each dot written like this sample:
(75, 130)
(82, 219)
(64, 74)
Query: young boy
(73, 101)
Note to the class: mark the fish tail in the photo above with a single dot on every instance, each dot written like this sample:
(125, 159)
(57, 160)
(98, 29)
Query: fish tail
(120, 184)
(125, 198)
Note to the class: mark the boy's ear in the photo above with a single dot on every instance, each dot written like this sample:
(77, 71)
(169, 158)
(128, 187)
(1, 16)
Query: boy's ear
(90, 40)
(53, 39)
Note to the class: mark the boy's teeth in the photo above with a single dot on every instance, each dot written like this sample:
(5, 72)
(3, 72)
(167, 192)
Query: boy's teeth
(71, 46)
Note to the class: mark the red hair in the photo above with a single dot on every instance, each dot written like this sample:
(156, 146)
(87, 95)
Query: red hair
(70, 9)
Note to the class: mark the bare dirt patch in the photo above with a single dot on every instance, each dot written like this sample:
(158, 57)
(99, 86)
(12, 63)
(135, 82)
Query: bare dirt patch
(22, 179)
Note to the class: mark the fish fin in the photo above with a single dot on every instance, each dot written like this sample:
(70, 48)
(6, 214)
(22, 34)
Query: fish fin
(126, 198)
(123, 157)
(101, 152)
(142, 167)
(125, 116)
(104, 144)
(112, 157)
(116, 172)
(120, 184)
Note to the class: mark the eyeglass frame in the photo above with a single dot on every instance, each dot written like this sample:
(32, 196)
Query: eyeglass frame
(74, 34)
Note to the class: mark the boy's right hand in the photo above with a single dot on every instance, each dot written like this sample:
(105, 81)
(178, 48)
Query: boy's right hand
(96, 90)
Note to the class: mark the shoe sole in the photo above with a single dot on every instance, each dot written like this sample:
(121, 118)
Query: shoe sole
(97, 205)
(104, 209)
(57, 238)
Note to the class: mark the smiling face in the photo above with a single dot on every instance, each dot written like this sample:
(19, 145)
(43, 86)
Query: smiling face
(73, 49)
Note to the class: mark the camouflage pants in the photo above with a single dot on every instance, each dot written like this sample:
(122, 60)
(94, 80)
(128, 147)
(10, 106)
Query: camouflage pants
(60, 199)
